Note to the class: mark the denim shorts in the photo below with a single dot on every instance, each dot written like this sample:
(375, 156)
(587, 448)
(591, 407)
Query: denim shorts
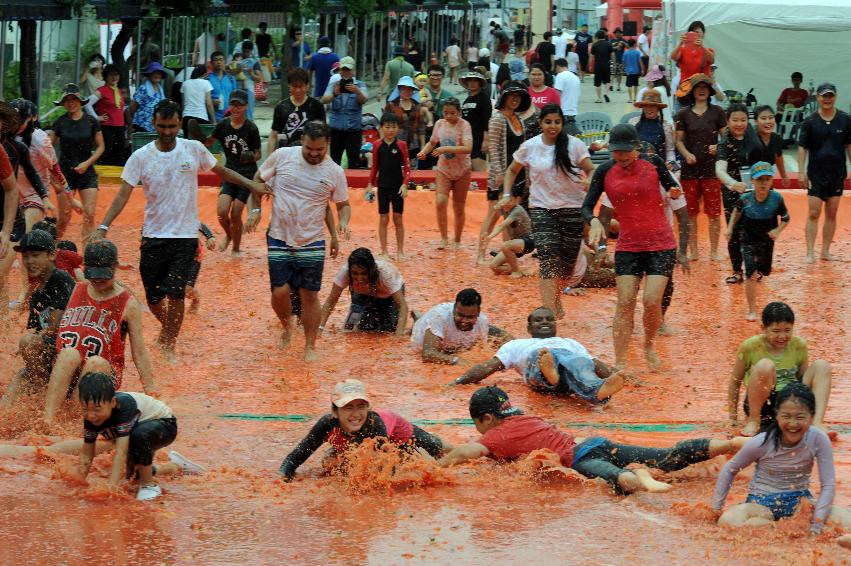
(782, 503)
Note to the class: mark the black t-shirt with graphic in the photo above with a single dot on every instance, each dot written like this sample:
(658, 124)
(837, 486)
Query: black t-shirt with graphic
(120, 423)
(54, 294)
(235, 141)
(826, 143)
(477, 111)
(289, 119)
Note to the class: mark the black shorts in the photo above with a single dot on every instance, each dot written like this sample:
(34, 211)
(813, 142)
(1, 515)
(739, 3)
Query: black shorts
(372, 314)
(640, 264)
(494, 195)
(194, 270)
(602, 75)
(88, 180)
(146, 438)
(164, 265)
(758, 258)
(825, 189)
(632, 80)
(235, 192)
(528, 245)
(388, 196)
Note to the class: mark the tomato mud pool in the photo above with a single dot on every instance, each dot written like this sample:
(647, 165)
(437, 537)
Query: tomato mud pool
(389, 510)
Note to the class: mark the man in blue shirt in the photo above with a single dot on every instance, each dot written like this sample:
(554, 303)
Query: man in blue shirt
(320, 66)
(583, 40)
(223, 84)
(347, 97)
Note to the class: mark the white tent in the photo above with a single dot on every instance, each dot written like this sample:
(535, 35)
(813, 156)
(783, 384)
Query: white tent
(759, 43)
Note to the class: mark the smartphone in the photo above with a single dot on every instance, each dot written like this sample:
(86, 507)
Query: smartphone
(344, 83)
(692, 37)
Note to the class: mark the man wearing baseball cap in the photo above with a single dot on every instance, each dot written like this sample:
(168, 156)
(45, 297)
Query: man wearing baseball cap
(346, 98)
(47, 303)
(825, 138)
(508, 434)
(101, 314)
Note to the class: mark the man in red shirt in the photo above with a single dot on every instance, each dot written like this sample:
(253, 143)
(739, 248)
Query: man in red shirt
(796, 96)
(100, 315)
(508, 434)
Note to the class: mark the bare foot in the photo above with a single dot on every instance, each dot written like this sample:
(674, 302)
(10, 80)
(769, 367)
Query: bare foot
(310, 355)
(752, 316)
(648, 483)
(456, 245)
(442, 244)
(400, 256)
(225, 243)
(193, 306)
(528, 272)
(169, 355)
(693, 257)
(826, 256)
(236, 253)
(810, 258)
(482, 261)
(547, 365)
(652, 359)
(844, 541)
(714, 256)
(751, 428)
(666, 330)
(285, 338)
(516, 274)
(612, 385)
(384, 255)
(415, 315)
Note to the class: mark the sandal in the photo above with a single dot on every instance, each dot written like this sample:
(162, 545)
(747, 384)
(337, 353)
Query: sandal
(735, 278)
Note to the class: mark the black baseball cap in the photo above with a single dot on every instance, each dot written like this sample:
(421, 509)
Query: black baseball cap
(239, 96)
(100, 259)
(825, 88)
(36, 241)
(623, 137)
(491, 400)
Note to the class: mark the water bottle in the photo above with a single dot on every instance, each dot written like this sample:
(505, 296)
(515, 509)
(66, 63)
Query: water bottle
(369, 196)
(745, 173)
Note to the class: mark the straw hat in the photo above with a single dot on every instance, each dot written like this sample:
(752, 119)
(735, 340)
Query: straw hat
(687, 86)
(651, 97)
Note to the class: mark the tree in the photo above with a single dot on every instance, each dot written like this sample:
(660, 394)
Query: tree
(27, 71)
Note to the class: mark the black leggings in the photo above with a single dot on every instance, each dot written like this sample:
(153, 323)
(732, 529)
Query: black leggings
(609, 459)
(734, 244)
(426, 440)
(146, 438)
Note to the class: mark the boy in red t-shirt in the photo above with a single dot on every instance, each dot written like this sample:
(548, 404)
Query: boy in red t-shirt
(795, 96)
(508, 434)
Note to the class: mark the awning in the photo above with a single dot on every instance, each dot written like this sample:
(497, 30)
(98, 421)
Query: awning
(109, 9)
(602, 10)
(45, 10)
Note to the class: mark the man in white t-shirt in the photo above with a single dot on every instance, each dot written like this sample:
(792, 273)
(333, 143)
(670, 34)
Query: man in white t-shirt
(448, 328)
(644, 45)
(560, 44)
(303, 180)
(549, 363)
(168, 169)
(570, 87)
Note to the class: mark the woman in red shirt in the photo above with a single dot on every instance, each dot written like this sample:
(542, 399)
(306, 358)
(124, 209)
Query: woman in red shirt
(690, 54)
(646, 243)
(109, 106)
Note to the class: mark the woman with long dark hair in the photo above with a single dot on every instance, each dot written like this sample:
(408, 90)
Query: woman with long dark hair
(555, 164)
(378, 295)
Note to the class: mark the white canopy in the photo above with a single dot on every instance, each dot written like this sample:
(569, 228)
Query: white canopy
(759, 43)
(601, 10)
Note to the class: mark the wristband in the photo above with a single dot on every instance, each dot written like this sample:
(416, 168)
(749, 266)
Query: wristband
(103, 227)
(454, 360)
(253, 210)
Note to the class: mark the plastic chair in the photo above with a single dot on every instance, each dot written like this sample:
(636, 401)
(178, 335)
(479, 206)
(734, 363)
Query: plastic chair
(594, 126)
(789, 124)
(629, 116)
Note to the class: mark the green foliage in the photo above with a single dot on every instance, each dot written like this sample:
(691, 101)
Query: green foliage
(46, 104)
(90, 46)
(63, 55)
(12, 84)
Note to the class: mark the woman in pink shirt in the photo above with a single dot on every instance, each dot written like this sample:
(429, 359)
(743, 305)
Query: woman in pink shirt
(541, 93)
(109, 105)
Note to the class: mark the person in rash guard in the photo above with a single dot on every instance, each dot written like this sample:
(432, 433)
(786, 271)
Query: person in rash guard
(351, 421)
